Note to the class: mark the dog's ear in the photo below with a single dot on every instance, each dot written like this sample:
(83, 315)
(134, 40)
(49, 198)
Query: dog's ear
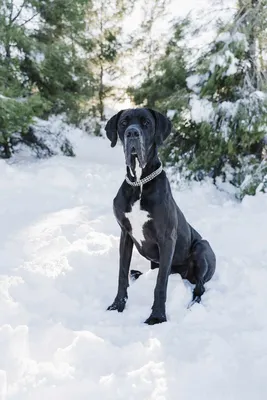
(163, 126)
(111, 128)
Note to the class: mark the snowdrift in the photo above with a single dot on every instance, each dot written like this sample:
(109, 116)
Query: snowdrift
(59, 263)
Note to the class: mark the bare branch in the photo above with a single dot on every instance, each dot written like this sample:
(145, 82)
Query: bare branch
(11, 11)
(28, 20)
(19, 12)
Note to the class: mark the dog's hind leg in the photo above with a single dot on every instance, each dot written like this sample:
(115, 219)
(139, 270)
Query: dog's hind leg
(154, 265)
(134, 274)
(204, 266)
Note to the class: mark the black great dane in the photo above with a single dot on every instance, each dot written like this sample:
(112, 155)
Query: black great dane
(164, 238)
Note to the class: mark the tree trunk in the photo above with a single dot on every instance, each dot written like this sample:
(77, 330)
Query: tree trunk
(252, 42)
(249, 10)
(6, 146)
(101, 94)
(101, 75)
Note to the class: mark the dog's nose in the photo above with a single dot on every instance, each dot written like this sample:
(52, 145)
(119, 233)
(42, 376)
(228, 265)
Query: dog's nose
(132, 133)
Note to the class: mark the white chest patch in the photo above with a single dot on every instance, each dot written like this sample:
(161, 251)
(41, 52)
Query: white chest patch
(137, 218)
(138, 171)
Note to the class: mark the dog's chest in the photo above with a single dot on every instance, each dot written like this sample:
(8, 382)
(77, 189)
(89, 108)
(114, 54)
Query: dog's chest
(138, 218)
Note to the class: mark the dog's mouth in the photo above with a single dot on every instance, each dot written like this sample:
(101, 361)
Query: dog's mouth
(134, 151)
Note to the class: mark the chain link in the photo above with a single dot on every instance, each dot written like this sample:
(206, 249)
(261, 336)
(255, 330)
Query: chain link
(147, 179)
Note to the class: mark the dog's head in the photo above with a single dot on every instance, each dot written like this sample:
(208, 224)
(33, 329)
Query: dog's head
(141, 130)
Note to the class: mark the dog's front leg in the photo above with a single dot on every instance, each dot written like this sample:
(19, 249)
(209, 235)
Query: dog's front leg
(126, 249)
(166, 251)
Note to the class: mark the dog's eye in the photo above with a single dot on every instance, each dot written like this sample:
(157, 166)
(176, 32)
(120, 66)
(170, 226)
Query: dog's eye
(146, 122)
(124, 122)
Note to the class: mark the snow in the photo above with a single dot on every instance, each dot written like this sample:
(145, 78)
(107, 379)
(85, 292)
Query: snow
(259, 95)
(229, 37)
(224, 59)
(193, 82)
(18, 99)
(171, 113)
(222, 114)
(37, 57)
(201, 109)
(59, 264)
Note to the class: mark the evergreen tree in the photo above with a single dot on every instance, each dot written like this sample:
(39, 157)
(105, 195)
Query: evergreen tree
(56, 61)
(145, 45)
(18, 103)
(220, 108)
(104, 20)
(146, 40)
(166, 90)
(165, 85)
(227, 112)
(43, 64)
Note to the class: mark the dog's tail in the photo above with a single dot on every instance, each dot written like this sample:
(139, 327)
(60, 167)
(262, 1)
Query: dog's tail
(134, 274)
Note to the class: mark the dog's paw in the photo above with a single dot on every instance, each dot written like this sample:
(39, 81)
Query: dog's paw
(196, 299)
(118, 304)
(135, 274)
(156, 319)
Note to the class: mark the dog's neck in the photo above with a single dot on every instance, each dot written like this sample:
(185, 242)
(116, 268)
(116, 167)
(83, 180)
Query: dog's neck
(138, 173)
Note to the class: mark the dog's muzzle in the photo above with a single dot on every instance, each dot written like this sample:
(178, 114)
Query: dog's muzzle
(134, 146)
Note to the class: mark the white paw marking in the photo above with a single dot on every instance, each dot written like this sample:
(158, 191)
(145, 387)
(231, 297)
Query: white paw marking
(138, 218)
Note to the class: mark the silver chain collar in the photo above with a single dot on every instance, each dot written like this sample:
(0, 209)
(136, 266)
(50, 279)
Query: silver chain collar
(147, 179)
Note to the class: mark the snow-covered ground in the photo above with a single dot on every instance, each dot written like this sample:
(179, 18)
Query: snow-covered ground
(59, 265)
